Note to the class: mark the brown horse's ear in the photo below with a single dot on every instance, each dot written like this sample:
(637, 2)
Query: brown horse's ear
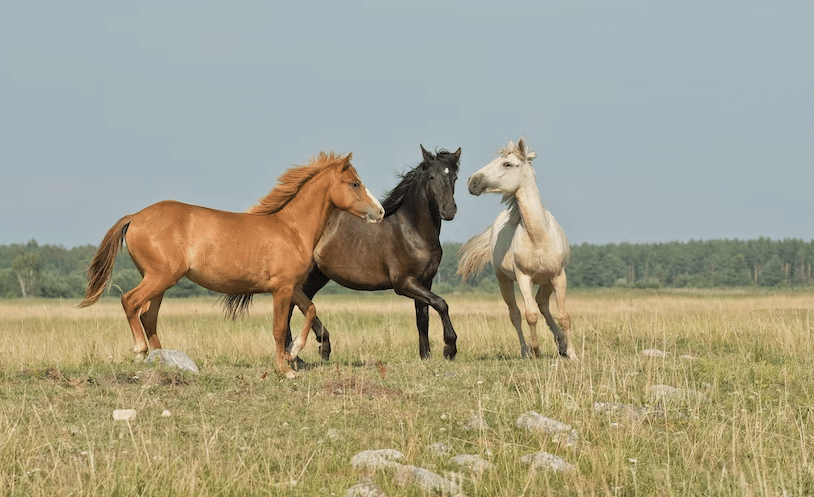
(346, 163)
(427, 156)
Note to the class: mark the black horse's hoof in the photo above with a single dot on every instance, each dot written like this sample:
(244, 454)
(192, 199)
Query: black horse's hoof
(325, 351)
(450, 350)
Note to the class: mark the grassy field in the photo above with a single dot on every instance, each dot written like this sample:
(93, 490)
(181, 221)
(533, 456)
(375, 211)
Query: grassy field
(239, 429)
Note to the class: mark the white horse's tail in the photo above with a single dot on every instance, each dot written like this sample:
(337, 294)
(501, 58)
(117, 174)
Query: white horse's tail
(475, 254)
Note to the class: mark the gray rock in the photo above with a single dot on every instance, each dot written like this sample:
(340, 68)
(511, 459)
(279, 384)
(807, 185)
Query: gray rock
(547, 462)
(473, 463)
(557, 431)
(625, 410)
(667, 396)
(476, 422)
(426, 480)
(174, 358)
(374, 460)
(124, 414)
(439, 449)
(366, 489)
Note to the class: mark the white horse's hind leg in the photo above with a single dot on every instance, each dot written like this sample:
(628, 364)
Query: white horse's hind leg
(532, 312)
(507, 290)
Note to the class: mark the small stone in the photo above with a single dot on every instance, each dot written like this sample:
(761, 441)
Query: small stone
(557, 431)
(547, 462)
(366, 489)
(655, 353)
(426, 480)
(439, 449)
(473, 463)
(124, 414)
(376, 459)
(174, 358)
(667, 396)
(476, 422)
(166, 413)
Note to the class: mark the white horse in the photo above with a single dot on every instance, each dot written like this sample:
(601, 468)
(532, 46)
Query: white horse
(525, 244)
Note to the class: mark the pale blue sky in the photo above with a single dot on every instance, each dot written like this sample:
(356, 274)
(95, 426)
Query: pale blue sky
(653, 121)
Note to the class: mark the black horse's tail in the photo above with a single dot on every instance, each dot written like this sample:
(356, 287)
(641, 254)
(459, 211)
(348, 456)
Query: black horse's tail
(235, 306)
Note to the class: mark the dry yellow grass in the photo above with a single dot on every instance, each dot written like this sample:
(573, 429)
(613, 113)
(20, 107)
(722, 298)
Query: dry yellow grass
(239, 429)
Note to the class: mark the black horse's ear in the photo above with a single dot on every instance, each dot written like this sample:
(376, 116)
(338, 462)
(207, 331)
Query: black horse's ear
(457, 155)
(427, 156)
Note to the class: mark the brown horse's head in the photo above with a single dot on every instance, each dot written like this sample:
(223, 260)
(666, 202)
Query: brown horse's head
(350, 194)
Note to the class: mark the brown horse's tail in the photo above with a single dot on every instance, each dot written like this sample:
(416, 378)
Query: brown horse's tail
(475, 254)
(101, 269)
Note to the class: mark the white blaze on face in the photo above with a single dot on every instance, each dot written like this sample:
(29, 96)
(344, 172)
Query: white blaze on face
(446, 170)
(378, 205)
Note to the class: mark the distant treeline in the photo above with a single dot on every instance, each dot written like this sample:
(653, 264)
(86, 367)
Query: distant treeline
(34, 270)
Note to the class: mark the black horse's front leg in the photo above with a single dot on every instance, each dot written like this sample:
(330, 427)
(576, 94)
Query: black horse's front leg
(422, 295)
(422, 322)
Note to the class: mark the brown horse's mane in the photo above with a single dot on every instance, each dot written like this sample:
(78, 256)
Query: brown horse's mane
(291, 181)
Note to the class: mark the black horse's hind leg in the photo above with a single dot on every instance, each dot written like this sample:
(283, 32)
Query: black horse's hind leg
(421, 294)
(313, 283)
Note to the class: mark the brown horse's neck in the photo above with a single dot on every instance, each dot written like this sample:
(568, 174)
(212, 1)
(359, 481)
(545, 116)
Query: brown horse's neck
(310, 208)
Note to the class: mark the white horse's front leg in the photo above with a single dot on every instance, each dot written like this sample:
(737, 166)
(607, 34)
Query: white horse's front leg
(507, 290)
(532, 312)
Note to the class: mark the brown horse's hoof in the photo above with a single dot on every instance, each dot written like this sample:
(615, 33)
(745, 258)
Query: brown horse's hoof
(290, 374)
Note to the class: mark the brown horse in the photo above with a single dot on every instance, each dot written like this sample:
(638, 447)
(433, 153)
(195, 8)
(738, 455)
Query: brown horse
(268, 249)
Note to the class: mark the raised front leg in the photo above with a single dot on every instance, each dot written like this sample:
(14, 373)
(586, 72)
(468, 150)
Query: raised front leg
(419, 292)
(507, 291)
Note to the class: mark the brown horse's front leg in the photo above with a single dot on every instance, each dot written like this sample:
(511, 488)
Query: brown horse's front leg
(282, 301)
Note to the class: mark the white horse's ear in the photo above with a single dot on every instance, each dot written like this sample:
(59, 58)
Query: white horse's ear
(531, 156)
(521, 146)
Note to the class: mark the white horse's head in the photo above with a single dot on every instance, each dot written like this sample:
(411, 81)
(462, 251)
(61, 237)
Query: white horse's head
(505, 174)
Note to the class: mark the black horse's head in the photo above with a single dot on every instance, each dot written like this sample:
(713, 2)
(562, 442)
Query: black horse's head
(441, 171)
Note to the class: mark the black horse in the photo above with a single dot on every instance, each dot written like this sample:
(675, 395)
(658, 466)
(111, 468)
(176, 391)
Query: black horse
(401, 252)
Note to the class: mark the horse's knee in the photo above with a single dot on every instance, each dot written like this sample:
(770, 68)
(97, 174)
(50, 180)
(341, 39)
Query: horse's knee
(531, 318)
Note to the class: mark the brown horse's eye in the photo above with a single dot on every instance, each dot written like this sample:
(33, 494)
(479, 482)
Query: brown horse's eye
(355, 185)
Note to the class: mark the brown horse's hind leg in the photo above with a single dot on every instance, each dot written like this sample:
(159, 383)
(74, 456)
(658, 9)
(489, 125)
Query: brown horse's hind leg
(309, 310)
(149, 319)
(137, 303)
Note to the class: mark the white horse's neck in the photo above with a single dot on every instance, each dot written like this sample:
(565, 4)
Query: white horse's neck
(534, 215)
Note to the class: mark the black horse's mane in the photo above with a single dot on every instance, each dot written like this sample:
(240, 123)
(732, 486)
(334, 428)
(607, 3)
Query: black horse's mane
(393, 198)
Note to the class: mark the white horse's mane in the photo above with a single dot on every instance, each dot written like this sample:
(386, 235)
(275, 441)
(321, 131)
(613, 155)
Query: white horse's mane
(511, 148)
